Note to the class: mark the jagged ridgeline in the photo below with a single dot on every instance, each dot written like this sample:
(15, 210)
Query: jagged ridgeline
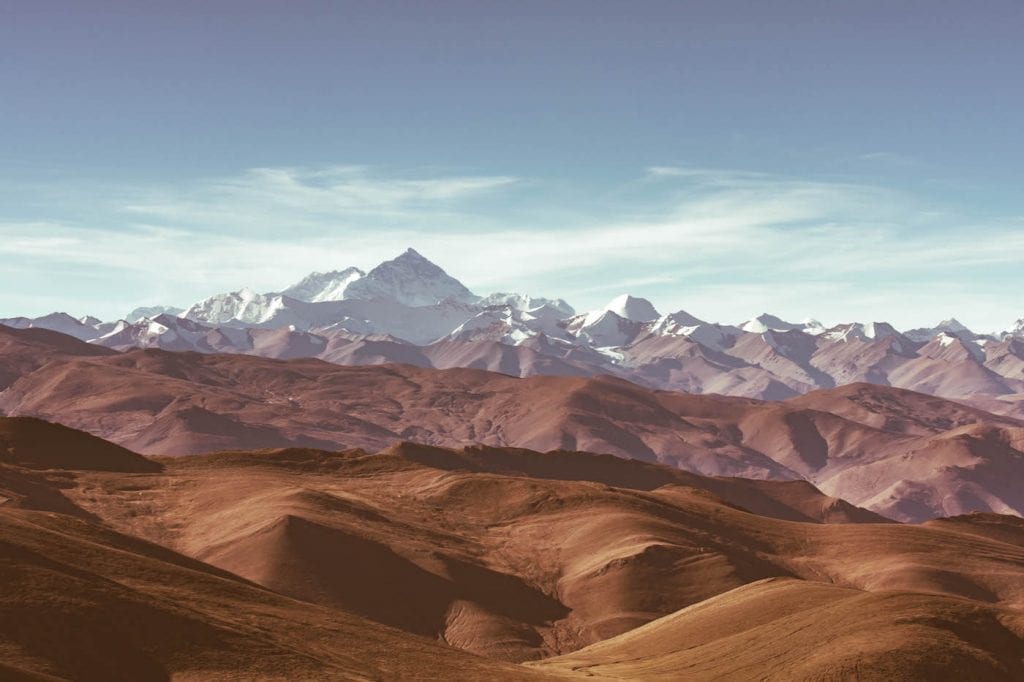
(409, 310)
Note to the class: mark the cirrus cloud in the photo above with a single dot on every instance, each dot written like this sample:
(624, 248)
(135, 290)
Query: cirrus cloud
(723, 244)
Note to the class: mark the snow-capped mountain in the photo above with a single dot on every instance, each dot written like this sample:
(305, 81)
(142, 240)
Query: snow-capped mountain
(683, 324)
(170, 332)
(506, 325)
(525, 303)
(244, 306)
(677, 324)
(412, 280)
(513, 325)
(862, 331)
(151, 312)
(765, 322)
(410, 310)
(624, 319)
(324, 286)
(631, 308)
(408, 297)
(950, 326)
(604, 329)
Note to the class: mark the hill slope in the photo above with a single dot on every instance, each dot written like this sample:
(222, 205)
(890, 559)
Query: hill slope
(518, 555)
(793, 630)
(82, 602)
(619, 567)
(903, 454)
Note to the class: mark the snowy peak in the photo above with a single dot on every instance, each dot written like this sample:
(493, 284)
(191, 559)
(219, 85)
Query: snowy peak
(770, 323)
(494, 324)
(412, 301)
(632, 308)
(953, 348)
(525, 303)
(812, 326)
(412, 280)
(174, 333)
(869, 331)
(678, 323)
(151, 312)
(324, 286)
(244, 305)
(951, 326)
(765, 322)
(604, 329)
(682, 323)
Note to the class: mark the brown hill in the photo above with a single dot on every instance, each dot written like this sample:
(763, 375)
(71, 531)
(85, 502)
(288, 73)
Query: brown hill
(407, 537)
(896, 410)
(517, 555)
(38, 444)
(26, 350)
(82, 602)
(787, 629)
(895, 451)
(158, 402)
(503, 552)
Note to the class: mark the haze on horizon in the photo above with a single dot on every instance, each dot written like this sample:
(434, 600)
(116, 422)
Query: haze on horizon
(856, 162)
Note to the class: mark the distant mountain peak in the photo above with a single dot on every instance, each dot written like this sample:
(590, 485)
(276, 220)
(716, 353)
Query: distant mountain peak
(526, 303)
(151, 312)
(632, 308)
(410, 279)
(244, 305)
(767, 322)
(951, 346)
(678, 319)
(951, 325)
(862, 331)
(324, 286)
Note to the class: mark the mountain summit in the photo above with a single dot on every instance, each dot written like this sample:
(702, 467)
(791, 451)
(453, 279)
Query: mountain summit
(412, 280)
(324, 286)
(633, 308)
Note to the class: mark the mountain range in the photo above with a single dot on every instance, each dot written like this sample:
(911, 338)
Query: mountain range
(383, 475)
(902, 454)
(409, 310)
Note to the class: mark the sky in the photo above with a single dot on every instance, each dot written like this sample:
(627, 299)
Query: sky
(837, 160)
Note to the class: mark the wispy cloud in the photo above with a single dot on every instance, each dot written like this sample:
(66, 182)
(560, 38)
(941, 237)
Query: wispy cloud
(271, 199)
(722, 243)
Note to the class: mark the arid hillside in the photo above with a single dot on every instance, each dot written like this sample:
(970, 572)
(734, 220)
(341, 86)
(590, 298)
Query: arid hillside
(782, 629)
(906, 455)
(84, 602)
(562, 558)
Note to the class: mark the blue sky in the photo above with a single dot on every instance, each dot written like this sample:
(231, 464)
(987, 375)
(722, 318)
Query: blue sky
(845, 161)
